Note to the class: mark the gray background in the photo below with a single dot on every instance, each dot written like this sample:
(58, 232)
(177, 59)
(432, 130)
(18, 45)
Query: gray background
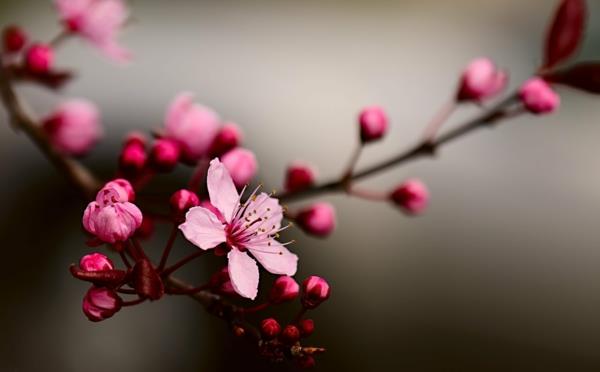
(501, 274)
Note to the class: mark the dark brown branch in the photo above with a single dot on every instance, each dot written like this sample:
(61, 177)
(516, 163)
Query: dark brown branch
(422, 149)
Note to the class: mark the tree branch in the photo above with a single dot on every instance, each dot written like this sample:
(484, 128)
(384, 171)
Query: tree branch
(423, 148)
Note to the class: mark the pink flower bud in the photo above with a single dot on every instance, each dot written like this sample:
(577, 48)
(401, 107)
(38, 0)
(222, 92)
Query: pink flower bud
(123, 187)
(228, 138)
(538, 97)
(133, 158)
(39, 58)
(165, 154)
(318, 219)
(315, 290)
(284, 289)
(95, 262)
(481, 80)
(299, 176)
(307, 327)
(111, 218)
(137, 138)
(270, 328)
(192, 126)
(412, 196)
(182, 200)
(100, 303)
(290, 334)
(373, 123)
(14, 39)
(241, 164)
(74, 127)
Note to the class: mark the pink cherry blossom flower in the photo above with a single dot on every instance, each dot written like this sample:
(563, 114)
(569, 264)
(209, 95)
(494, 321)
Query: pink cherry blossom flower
(74, 126)
(98, 22)
(111, 217)
(192, 126)
(249, 227)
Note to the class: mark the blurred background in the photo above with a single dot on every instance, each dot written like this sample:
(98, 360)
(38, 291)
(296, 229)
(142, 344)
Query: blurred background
(501, 274)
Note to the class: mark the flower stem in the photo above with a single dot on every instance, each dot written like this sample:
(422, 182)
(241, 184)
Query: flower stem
(438, 120)
(169, 270)
(168, 247)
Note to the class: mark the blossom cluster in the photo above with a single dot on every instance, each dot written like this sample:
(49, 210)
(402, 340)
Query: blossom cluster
(221, 210)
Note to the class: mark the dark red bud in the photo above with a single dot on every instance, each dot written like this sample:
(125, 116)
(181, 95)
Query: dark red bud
(290, 334)
(270, 328)
(306, 361)
(307, 327)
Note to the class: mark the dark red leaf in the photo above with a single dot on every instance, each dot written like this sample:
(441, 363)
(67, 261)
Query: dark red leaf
(566, 32)
(108, 278)
(584, 76)
(146, 280)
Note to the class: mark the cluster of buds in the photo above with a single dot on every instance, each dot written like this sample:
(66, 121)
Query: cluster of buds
(279, 341)
(192, 133)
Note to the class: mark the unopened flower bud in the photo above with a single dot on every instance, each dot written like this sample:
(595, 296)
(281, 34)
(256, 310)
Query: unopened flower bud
(14, 39)
(306, 361)
(290, 334)
(137, 138)
(299, 176)
(95, 262)
(165, 154)
(39, 58)
(111, 218)
(182, 200)
(538, 97)
(481, 80)
(241, 164)
(228, 138)
(74, 126)
(123, 187)
(146, 229)
(412, 196)
(318, 219)
(221, 282)
(284, 289)
(307, 327)
(133, 157)
(314, 291)
(270, 328)
(373, 123)
(100, 303)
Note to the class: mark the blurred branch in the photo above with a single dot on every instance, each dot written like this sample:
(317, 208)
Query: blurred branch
(423, 148)
(21, 119)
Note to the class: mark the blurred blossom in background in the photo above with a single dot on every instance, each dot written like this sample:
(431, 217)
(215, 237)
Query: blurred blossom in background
(501, 274)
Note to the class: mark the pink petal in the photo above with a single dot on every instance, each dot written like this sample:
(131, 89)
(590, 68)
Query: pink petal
(71, 8)
(222, 191)
(103, 20)
(177, 109)
(203, 228)
(243, 273)
(115, 52)
(275, 258)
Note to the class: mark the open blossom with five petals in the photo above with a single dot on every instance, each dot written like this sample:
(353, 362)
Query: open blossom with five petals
(98, 22)
(112, 218)
(249, 227)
